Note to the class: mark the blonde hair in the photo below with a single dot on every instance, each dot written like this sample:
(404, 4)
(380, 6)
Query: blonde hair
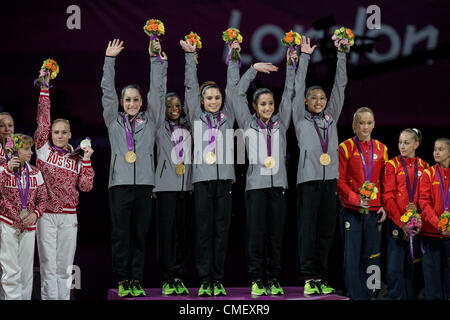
(61, 120)
(357, 116)
(417, 135)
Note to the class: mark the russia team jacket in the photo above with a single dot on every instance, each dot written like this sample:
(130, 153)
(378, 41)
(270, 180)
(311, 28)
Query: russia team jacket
(351, 172)
(10, 200)
(430, 199)
(2, 156)
(395, 190)
(62, 173)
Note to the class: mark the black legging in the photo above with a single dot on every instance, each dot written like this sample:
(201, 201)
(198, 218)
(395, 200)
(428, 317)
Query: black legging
(213, 205)
(131, 212)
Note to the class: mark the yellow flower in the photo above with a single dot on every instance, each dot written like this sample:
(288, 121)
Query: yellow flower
(373, 196)
(352, 42)
(239, 38)
(161, 28)
(298, 41)
(404, 219)
(199, 44)
(409, 214)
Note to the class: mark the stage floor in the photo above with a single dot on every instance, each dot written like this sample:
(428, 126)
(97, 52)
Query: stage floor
(290, 293)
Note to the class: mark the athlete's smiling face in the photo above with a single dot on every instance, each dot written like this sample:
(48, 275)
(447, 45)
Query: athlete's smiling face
(173, 108)
(212, 100)
(131, 102)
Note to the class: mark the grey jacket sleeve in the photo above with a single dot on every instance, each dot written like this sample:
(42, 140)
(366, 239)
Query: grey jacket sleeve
(110, 101)
(340, 81)
(240, 105)
(298, 104)
(157, 89)
(162, 114)
(191, 88)
(230, 90)
(285, 107)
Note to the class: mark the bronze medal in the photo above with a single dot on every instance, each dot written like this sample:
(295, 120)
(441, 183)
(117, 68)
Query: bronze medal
(130, 157)
(411, 206)
(210, 158)
(180, 169)
(325, 159)
(269, 162)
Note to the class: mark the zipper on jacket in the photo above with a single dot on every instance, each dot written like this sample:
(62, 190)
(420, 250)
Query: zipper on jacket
(182, 182)
(113, 166)
(162, 169)
(134, 163)
(304, 159)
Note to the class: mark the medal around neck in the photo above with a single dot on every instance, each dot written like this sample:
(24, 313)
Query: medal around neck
(325, 159)
(23, 214)
(210, 158)
(269, 162)
(180, 169)
(411, 206)
(130, 157)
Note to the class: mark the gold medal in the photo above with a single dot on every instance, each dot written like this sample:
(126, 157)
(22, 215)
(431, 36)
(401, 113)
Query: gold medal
(210, 158)
(180, 169)
(325, 159)
(23, 213)
(269, 162)
(411, 206)
(130, 157)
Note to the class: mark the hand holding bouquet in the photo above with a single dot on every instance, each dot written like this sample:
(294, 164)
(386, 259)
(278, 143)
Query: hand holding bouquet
(49, 70)
(367, 192)
(343, 39)
(444, 223)
(291, 39)
(195, 40)
(411, 221)
(229, 36)
(154, 28)
(12, 146)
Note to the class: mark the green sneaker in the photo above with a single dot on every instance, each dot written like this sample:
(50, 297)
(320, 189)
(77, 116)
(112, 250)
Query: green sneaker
(325, 288)
(180, 288)
(168, 289)
(136, 289)
(311, 288)
(124, 289)
(219, 290)
(205, 289)
(258, 288)
(275, 288)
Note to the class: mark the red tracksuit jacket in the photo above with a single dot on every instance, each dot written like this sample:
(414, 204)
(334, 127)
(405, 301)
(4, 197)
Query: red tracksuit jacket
(430, 199)
(10, 201)
(2, 156)
(395, 191)
(62, 174)
(351, 172)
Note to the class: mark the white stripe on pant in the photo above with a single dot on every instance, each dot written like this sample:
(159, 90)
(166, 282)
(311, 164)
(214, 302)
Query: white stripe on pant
(57, 241)
(16, 261)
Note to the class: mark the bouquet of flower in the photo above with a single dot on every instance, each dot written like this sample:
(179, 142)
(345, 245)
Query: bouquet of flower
(444, 221)
(230, 35)
(49, 69)
(367, 191)
(154, 28)
(12, 145)
(343, 39)
(194, 39)
(291, 39)
(411, 219)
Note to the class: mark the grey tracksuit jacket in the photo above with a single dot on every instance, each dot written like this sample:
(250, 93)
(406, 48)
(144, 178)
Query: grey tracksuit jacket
(309, 167)
(258, 176)
(223, 168)
(141, 172)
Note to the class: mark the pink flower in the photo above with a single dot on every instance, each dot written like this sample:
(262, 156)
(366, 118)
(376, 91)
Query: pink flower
(9, 143)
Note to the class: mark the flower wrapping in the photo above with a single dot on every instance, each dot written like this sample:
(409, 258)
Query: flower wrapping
(49, 69)
(230, 35)
(291, 39)
(444, 221)
(343, 39)
(367, 191)
(194, 39)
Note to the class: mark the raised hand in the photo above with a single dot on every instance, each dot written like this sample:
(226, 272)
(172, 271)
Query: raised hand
(265, 67)
(236, 45)
(88, 151)
(187, 47)
(114, 48)
(292, 54)
(306, 45)
(156, 46)
(46, 76)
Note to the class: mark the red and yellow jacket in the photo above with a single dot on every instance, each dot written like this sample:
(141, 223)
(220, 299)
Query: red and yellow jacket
(351, 172)
(395, 191)
(430, 199)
